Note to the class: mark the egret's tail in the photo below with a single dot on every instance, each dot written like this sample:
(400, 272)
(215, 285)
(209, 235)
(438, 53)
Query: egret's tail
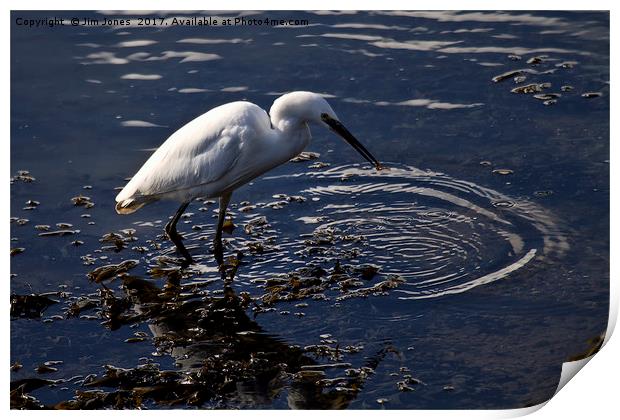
(130, 205)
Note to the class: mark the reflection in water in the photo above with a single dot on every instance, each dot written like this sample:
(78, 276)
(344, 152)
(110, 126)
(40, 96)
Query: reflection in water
(136, 43)
(426, 103)
(223, 358)
(454, 16)
(108, 57)
(137, 76)
(138, 123)
(212, 41)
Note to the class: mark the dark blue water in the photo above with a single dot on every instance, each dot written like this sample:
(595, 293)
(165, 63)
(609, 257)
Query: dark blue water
(493, 218)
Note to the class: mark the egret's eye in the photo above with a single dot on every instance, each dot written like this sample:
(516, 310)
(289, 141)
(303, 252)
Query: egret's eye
(324, 116)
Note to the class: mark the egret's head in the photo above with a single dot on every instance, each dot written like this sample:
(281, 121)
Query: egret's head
(300, 107)
(309, 107)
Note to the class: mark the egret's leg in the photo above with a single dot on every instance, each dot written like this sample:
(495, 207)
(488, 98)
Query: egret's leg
(217, 242)
(171, 231)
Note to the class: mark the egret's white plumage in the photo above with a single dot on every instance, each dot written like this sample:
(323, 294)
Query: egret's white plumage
(227, 147)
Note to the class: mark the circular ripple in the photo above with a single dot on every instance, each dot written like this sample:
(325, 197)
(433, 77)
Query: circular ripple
(443, 236)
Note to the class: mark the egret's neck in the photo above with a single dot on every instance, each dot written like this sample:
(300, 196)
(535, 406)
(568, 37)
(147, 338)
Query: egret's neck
(292, 135)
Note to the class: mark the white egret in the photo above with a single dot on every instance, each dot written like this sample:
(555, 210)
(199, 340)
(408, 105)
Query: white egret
(225, 148)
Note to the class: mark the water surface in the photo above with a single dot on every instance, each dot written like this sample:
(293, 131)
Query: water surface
(462, 277)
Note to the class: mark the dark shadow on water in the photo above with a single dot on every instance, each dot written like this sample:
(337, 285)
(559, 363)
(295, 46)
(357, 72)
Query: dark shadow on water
(222, 357)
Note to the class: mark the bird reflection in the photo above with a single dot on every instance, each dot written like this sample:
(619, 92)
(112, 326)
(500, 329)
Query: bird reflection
(224, 358)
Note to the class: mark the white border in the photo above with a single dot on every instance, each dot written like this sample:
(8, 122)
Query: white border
(592, 395)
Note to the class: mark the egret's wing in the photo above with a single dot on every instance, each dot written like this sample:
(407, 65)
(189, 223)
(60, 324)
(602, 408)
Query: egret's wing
(189, 167)
(202, 152)
(202, 162)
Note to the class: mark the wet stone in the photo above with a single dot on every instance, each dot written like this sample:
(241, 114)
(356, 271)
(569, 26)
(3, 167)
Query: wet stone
(61, 232)
(228, 226)
(566, 88)
(536, 60)
(546, 96)
(255, 224)
(403, 387)
(507, 75)
(295, 198)
(30, 306)
(260, 248)
(88, 259)
(82, 201)
(367, 271)
(246, 208)
(503, 171)
(83, 303)
(590, 95)
(276, 205)
(31, 205)
(305, 156)
(23, 176)
(543, 193)
(380, 288)
(531, 88)
(567, 64)
(43, 369)
(16, 251)
(318, 165)
(108, 271)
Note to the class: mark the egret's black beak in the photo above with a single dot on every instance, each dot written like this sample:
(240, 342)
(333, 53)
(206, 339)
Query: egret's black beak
(350, 138)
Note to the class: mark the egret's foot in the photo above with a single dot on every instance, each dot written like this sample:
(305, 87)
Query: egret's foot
(187, 262)
(187, 258)
(177, 240)
(222, 269)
